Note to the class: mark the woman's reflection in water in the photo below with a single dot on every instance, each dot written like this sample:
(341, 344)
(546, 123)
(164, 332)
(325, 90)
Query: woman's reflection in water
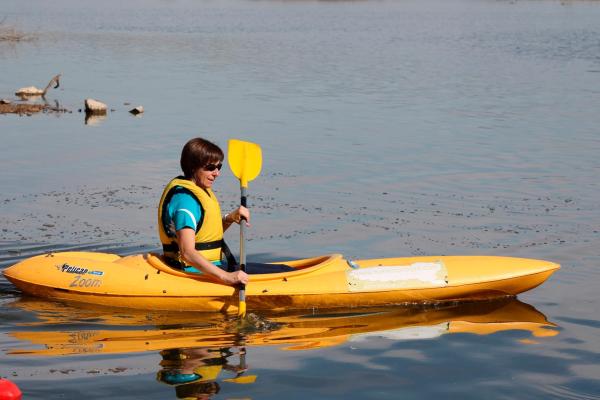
(194, 371)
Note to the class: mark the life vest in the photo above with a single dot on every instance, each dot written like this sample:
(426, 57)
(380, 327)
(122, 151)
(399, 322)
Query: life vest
(209, 231)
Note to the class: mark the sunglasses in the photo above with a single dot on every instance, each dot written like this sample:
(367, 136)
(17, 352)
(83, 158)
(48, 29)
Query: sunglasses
(212, 167)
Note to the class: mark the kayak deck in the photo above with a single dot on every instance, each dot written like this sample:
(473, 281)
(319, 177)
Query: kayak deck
(145, 282)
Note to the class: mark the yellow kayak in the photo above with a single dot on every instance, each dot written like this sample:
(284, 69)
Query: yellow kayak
(331, 281)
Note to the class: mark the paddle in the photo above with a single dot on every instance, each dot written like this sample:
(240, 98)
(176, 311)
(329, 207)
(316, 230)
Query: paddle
(245, 161)
(243, 379)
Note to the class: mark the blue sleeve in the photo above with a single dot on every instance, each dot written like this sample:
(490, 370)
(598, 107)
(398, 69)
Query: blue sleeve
(185, 211)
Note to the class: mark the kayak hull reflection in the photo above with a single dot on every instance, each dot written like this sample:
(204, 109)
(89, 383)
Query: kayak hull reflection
(141, 331)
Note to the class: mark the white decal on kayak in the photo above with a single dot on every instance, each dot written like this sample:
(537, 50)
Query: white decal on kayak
(414, 276)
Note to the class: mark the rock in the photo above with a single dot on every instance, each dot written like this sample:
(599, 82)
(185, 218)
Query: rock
(29, 91)
(4, 101)
(137, 110)
(95, 107)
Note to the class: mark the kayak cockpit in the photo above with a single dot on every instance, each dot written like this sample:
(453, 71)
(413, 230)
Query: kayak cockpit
(300, 266)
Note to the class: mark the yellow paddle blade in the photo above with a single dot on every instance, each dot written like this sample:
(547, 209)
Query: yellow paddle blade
(244, 379)
(242, 309)
(245, 160)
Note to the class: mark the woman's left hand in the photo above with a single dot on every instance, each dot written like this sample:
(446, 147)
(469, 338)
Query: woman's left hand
(239, 214)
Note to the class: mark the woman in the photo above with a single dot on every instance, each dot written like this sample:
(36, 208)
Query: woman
(189, 218)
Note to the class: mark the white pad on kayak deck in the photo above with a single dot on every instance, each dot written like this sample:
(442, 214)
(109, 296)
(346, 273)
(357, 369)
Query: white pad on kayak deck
(417, 275)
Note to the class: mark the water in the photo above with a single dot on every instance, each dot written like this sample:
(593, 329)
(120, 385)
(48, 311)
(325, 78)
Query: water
(388, 128)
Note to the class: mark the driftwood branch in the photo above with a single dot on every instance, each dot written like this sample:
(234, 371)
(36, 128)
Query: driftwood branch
(53, 81)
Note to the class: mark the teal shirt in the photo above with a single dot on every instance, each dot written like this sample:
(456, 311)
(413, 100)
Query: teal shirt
(183, 211)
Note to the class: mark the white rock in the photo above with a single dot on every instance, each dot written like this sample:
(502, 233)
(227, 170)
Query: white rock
(95, 107)
(29, 91)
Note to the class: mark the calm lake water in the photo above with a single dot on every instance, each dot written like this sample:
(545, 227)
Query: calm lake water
(388, 128)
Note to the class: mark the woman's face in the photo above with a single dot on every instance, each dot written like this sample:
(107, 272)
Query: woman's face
(206, 176)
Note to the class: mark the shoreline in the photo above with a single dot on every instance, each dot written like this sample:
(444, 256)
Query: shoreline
(29, 109)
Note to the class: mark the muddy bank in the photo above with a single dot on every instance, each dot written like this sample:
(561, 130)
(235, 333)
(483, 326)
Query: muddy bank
(11, 34)
(30, 109)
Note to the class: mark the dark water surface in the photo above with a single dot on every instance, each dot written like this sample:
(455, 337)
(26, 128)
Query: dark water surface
(388, 128)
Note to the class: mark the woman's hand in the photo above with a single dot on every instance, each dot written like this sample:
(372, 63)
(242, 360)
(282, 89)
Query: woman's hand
(237, 216)
(237, 277)
(186, 241)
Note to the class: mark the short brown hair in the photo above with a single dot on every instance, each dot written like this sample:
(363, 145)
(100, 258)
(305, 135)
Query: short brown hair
(198, 153)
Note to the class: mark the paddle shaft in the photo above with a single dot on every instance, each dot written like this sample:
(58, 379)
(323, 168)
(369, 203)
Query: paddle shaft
(242, 243)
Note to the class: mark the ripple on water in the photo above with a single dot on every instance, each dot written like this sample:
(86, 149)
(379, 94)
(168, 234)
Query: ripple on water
(577, 389)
